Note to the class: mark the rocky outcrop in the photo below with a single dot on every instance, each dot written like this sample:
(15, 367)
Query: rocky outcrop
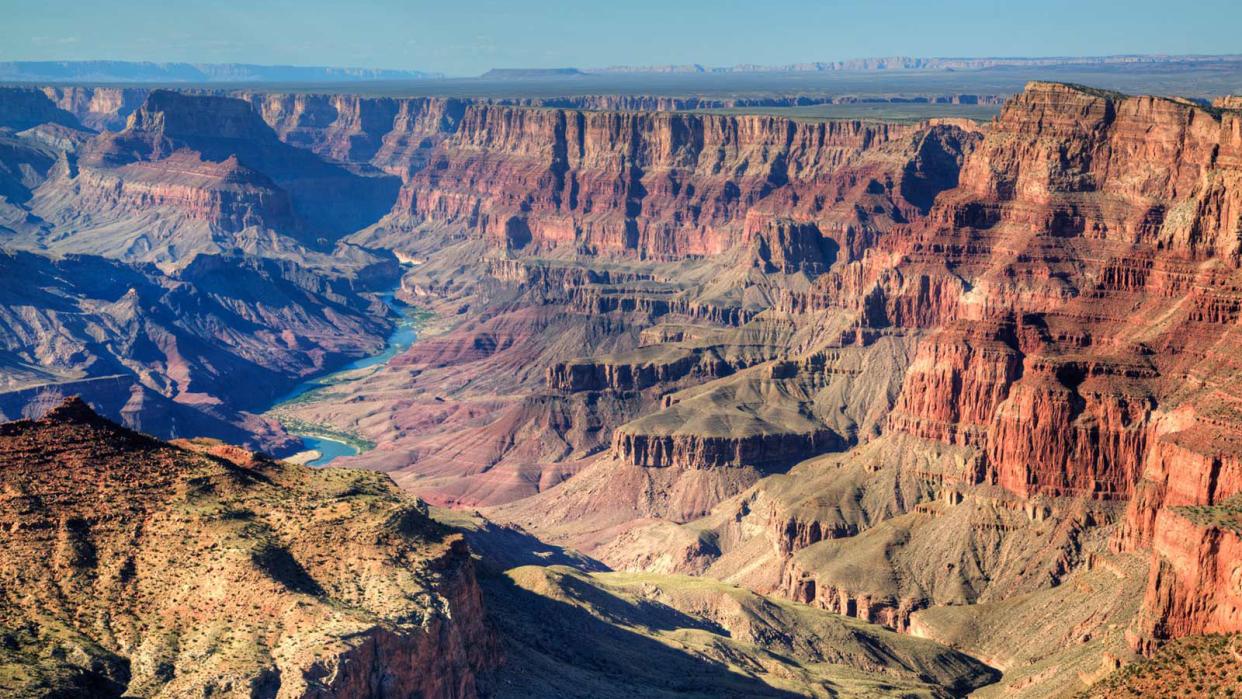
(1031, 293)
(551, 276)
(1185, 511)
(789, 247)
(1171, 145)
(597, 375)
(103, 575)
(892, 613)
(225, 195)
(1195, 585)
(655, 302)
(951, 551)
(1080, 212)
(958, 378)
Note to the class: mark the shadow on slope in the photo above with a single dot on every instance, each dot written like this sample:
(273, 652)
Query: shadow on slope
(554, 648)
(575, 634)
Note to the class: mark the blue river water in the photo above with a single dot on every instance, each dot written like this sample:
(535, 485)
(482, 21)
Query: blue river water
(403, 335)
(328, 449)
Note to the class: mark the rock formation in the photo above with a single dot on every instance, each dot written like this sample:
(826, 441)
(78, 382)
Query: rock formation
(192, 173)
(137, 567)
(1078, 211)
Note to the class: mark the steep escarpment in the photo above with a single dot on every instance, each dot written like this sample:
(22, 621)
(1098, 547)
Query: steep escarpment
(1080, 284)
(136, 567)
(661, 103)
(1051, 345)
(99, 108)
(201, 173)
(386, 132)
(653, 185)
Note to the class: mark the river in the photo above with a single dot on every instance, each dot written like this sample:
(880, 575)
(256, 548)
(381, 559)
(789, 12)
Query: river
(324, 440)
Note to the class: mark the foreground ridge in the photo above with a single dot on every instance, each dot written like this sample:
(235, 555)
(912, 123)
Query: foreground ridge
(138, 567)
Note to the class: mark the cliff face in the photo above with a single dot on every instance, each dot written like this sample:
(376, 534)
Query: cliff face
(100, 108)
(1069, 309)
(1146, 171)
(1080, 213)
(138, 567)
(195, 173)
(226, 195)
(348, 128)
(649, 184)
(652, 185)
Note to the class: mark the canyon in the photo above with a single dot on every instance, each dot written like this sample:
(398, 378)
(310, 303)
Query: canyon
(805, 407)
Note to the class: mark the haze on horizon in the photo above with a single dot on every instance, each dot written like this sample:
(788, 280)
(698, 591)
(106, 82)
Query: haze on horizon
(471, 36)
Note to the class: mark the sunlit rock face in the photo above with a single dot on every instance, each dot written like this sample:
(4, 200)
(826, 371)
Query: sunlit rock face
(276, 579)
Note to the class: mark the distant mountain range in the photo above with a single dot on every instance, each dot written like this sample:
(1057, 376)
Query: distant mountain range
(147, 72)
(144, 72)
(920, 64)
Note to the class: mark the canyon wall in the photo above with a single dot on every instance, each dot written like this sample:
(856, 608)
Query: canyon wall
(1091, 252)
(1071, 305)
(601, 181)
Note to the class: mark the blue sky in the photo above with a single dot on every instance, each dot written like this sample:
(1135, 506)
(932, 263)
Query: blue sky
(466, 37)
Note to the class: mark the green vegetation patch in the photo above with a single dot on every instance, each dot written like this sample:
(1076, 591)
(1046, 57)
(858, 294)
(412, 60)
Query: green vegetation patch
(1226, 514)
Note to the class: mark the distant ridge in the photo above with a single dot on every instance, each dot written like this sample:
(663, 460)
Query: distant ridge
(141, 72)
(528, 73)
(894, 63)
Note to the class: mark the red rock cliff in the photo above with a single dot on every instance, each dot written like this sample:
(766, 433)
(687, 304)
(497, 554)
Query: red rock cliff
(1082, 284)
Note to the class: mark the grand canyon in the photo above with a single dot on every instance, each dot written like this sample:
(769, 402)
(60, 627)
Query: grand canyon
(620, 392)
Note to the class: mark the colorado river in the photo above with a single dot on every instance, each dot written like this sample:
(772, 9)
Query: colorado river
(324, 439)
